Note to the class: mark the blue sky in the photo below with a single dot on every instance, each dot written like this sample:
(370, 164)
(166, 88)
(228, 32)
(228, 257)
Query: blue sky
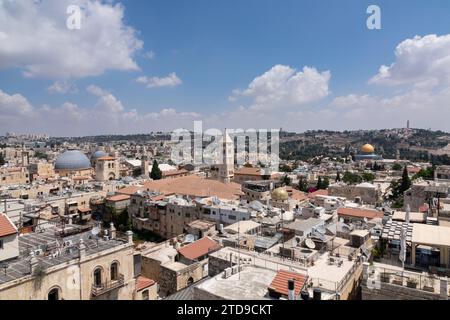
(215, 47)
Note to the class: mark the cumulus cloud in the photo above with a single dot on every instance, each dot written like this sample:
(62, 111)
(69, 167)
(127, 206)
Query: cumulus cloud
(14, 105)
(35, 38)
(62, 87)
(108, 116)
(285, 86)
(420, 61)
(171, 80)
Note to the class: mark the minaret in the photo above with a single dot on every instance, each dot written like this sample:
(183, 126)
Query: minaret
(144, 163)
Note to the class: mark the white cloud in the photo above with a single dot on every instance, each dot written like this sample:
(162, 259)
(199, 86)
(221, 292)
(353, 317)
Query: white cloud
(150, 55)
(171, 80)
(14, 105)
(35, 38)
(108, 116)
(107, 103)
(285, 86)
(420, 61)
(62, 87)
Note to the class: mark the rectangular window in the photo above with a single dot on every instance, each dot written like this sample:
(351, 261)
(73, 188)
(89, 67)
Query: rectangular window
(231, 217)
(1, 244)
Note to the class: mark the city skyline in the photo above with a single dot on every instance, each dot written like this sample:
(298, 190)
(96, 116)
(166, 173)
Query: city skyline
(137, 67)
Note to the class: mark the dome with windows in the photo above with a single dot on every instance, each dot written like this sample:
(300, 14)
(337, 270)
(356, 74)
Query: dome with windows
(72, 160)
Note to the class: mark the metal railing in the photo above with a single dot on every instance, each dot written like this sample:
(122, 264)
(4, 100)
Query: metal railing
(423, 282)
(108, 286)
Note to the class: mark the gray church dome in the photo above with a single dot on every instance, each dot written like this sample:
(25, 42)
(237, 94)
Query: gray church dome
(98, 154)
(72, 160)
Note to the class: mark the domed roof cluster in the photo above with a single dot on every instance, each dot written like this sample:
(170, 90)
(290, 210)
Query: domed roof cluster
(72, 160)
(280, 194)
(367, 148)
(98, 154)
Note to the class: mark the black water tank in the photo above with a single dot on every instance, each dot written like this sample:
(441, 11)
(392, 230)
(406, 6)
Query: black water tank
(304, 295)
(317, 294)
(291, 284)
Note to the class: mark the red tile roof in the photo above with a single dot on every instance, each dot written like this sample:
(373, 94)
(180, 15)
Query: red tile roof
(280, 282)
(6, 226)
(359, 213)
(195, 186)
(143, 282)
(199, 248)
(320, 192)
(119, 197)
(106, 158)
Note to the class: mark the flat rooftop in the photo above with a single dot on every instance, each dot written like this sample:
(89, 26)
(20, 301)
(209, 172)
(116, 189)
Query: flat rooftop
(48, 242)
(249, 284)
(431, 235)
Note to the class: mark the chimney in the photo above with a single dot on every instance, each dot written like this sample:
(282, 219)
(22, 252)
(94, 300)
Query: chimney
(129, 234)
(112, 231)
(291, 289)
(33, 263)
(82, 248)
(317, 294)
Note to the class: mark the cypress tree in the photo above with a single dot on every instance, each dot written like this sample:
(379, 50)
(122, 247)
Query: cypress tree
(156, 173)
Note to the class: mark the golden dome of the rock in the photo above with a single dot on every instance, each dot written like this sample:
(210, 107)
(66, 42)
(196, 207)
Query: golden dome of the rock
(280, 194)
(367, 148)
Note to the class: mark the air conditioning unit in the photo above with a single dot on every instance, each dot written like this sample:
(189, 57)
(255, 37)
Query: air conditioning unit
(227, 273)
(234, 269)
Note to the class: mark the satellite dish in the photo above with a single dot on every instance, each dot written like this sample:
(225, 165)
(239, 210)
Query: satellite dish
(189, 238)
(95, 231)
(310, 244)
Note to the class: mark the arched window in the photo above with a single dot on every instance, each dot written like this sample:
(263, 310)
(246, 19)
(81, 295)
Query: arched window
(114, 271)
(190, 281)
(98, 277)
(145, 295)
(54, 294)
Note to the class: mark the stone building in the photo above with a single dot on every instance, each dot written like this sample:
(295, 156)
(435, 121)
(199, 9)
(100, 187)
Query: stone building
(365, 192)
(69, 265)
(107, 168)
(175, 269)
(14, 176)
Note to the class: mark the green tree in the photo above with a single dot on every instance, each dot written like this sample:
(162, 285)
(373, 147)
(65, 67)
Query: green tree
(302, 184)
(368, 176)
(338, 177)
(156, 173)
(397, 166)
(2, 159)
(427, 174)
(285, 168)
(285, 180)
(319, 183)
(325, 183)
(351, 178)
(406, 181)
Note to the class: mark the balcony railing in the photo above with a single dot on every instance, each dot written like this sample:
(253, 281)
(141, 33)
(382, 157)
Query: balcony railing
(108, 286)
